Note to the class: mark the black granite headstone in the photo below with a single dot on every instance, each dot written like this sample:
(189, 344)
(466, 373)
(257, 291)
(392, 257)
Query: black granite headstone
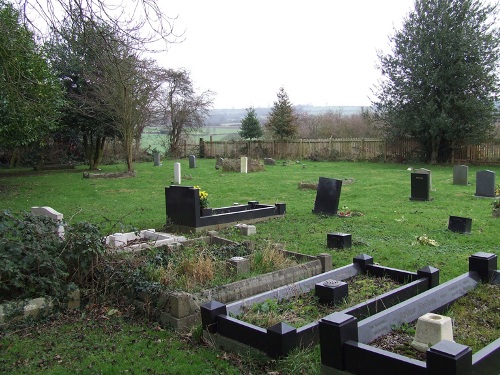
(327, 196)
(420, 186)
(459, 224)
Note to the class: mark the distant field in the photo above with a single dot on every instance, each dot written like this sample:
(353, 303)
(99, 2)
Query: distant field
(152, 138)
(224, 124)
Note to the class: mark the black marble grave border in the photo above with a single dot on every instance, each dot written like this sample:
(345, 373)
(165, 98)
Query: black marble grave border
(343, 340)
(280, 339)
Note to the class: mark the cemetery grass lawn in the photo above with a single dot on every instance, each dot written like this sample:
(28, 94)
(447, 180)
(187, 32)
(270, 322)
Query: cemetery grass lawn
(388, 229)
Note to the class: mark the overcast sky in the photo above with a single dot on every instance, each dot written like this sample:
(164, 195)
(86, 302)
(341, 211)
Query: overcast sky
(323, 52)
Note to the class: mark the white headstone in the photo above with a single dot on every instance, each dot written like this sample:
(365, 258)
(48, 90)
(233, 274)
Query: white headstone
(177, 173)
(52, 214)
(244, 164)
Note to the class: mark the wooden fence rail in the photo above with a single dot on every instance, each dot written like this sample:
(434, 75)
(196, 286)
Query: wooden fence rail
(337, 149)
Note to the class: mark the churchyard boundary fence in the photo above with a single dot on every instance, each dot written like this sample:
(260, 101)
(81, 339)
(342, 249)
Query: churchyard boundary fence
(354, 149)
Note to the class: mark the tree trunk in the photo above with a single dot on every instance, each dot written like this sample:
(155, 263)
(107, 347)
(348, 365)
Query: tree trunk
(98, 152)
(434, 150)
(14, 159)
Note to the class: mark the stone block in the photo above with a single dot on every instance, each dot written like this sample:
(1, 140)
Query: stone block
(238, 265)
(338, 240)
(248, 230)
(326, 261)
(331, 291)
(182, 304)
(431, 329)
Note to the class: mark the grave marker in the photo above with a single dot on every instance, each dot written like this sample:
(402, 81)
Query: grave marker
(52, 214)
(420, 187)
(156, 159)
(425, 171)
(192, 161)
(485, 184)
(177, 173)
(244, 164)
(327, 196)
(460, 175)
(459, 224)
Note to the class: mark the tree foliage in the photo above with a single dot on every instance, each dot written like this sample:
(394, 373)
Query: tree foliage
(250, 126)
(282, 120)
(75, 54)
(30, 95)
(181, 110)
(110, 88)
(441, 79)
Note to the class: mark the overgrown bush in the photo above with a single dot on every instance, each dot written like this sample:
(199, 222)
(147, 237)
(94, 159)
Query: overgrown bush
(35, 261)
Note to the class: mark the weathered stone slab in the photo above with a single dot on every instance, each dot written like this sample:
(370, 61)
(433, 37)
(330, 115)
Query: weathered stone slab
(485, 184)
(460, 175)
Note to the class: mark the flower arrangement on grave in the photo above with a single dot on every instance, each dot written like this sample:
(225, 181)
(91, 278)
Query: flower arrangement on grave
(203, 197)
(497, 191)
(346, 212)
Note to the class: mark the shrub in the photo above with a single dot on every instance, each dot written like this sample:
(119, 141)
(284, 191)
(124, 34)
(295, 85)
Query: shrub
(35, 261)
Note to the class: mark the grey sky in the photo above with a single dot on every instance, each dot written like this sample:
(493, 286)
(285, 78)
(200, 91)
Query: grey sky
(323, 52)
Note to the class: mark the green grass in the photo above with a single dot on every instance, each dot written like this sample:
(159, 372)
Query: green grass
(387, 231)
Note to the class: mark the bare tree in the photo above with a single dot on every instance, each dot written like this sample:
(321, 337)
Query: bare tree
(142, 21)
(181, 109)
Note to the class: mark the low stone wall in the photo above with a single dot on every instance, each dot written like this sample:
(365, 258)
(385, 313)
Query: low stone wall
(181, 310)
(37, 307)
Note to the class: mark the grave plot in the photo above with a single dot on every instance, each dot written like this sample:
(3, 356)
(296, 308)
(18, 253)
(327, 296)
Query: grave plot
(184, 212)
(171, 282)
(219, 323)
(344, 340)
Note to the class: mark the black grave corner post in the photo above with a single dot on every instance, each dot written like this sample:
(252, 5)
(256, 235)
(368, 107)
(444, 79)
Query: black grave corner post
(335, 330)
(485, 264)
(449, 358)
(209, 312)
(431, 273)
(281, 340)
(363, 260)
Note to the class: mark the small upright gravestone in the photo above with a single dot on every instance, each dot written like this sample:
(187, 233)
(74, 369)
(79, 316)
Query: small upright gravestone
(244, 164)
(420, 186)
(177, 173)
(156, 159)
(485, 184)
(218, 163)
(192, 161)
(460, 224)
(460, 175)
(327, 196)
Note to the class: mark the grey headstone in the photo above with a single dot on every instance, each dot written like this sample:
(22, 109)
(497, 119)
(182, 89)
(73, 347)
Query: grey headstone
(156, 159)
(485, 184)
(327, 196)
(192, 161)
(460, 175)
(218, 163)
